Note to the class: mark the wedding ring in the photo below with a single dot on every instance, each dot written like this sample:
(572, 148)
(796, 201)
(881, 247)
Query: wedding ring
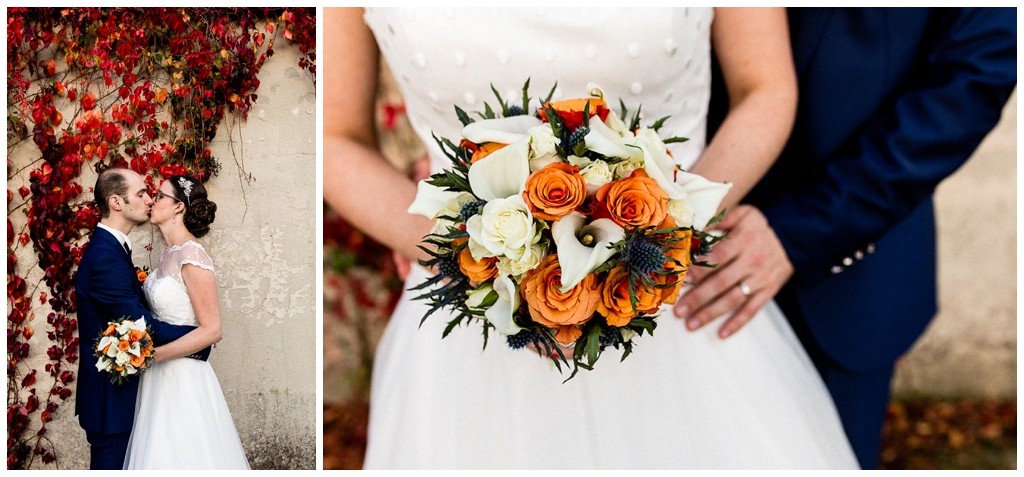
(745, 290)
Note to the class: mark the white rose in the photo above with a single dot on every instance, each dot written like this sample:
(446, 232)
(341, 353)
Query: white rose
(627, 334)
(682, 211)
(479, 297)
(541, 162)
(527, 262)
(122, 358)
(451, 208)
(624, 169)
(597, 174)
(542, 141)
(505, 229)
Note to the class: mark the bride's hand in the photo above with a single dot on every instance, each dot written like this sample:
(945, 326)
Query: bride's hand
(752, 268)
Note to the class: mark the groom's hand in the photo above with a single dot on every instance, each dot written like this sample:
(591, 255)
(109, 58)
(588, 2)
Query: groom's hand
(752, 268)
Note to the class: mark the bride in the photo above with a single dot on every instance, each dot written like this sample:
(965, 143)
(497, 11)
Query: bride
(683, 399)
(181, 418)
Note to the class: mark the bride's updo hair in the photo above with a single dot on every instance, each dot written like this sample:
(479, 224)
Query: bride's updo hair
(199, 211)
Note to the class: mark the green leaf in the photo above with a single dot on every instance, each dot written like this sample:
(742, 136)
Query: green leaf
(675, 139)
(488, 112)
(504, 106)
(622, 115)
(593, 344)
(526, 97)
(550, 93)
(657, 124)
(463, 117)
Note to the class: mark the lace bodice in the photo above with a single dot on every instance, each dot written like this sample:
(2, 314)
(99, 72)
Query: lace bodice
(165, 290)
(659, 58)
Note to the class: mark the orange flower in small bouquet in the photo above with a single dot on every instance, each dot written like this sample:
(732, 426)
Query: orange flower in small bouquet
(124, 349)
(568, 227)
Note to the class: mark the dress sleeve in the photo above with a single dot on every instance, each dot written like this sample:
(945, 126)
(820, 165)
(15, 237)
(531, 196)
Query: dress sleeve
(194, 254)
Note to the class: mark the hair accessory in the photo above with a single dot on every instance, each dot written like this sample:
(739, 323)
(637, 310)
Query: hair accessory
(186, 185)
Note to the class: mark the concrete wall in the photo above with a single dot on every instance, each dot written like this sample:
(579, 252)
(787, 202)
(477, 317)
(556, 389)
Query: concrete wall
(970, 349)
(263, 244)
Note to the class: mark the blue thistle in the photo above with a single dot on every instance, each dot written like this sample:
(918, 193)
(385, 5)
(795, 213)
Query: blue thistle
(449, 267)
(574, 139)
(610, 337)
(515, 111)
(643, 256)
(471, 209)
(522, 339)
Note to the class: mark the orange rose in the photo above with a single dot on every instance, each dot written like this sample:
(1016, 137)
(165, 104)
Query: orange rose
(680, 251)
(556, 309)
(123, 345)
(485, 150)
(146, 351)
(106, 348)
(138, 361)
(555, 190)
(119, 368)
(571, 110)
(614, 304)
(135, 335)
(636, 201)
(477, 271)
(142, 275)
(111, 329)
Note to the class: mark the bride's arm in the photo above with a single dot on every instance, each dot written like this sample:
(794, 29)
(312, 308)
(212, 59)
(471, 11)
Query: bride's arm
(358, 182)
(752, 46)
(201, 285)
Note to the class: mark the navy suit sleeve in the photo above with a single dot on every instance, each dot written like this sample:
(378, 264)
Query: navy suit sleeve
(928, 131)
(116, 298)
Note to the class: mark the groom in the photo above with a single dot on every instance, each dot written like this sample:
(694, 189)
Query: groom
(108, 289)
(891, 102)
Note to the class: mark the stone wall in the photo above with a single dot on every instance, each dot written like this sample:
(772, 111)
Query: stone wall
(263, 244)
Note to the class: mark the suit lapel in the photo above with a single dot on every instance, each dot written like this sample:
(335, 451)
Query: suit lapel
(101, 234)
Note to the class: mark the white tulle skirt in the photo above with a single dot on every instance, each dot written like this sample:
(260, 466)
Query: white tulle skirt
(182, 421)
(681, 400)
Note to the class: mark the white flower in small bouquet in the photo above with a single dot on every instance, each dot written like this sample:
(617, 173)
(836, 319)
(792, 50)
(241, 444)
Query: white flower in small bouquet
(124, 349)
(566, 228)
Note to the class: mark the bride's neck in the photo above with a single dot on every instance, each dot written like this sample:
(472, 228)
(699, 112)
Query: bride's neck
(175, 234)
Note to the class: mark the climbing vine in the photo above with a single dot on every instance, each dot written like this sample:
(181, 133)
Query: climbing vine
(142, 88)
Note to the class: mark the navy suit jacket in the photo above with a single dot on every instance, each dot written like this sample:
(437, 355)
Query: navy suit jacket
(892, 100)
(108, 289)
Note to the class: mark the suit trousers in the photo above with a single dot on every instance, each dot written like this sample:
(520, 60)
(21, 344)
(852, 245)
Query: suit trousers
(107, 450)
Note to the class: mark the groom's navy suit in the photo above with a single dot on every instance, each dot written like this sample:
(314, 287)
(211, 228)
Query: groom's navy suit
(107, 289)
(892, 101)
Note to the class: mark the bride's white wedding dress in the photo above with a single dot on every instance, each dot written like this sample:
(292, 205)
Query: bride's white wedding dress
(181, 418)
(682, 399)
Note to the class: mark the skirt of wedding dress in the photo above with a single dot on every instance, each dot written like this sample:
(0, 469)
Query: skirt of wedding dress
(681, 400)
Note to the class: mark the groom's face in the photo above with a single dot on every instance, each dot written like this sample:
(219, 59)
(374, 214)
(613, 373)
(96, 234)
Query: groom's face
(138, 202)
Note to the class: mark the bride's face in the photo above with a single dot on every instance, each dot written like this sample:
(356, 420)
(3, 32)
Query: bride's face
(165, 205)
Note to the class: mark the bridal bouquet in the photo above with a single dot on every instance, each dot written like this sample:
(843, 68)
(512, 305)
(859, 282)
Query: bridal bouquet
(124, 348)
(567, 227)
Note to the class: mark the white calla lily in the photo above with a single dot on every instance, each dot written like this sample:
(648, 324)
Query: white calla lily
(500, 313)
(603, 140)
(663, 174)
(135, 349)
(502, 173)
(704, 196)
(576, 259)
(430, 200)
(500, 130)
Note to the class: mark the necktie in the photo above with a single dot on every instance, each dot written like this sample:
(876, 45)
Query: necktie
(127, 249)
